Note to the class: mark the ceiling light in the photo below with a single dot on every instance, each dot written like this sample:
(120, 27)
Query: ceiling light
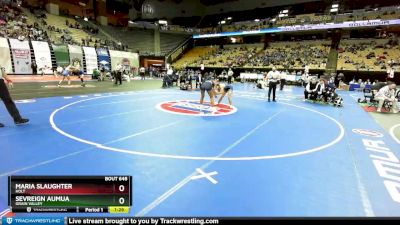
(163, 22)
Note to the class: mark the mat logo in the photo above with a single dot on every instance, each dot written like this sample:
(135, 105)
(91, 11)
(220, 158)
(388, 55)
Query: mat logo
(386, 164)
(9, 220)
(368, 133)
(194, 108)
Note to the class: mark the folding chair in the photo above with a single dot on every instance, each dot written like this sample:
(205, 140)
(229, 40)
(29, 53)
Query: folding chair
(368, 96)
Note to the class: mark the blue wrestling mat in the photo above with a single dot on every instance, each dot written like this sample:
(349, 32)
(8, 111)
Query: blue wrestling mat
(289, 158)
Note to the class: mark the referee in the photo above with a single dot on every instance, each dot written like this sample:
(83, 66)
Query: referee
(273, 77)
(8, 102)
(118, 74)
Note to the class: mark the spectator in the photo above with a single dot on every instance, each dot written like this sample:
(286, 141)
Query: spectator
(390, 74)
(230, 75)
(387, 94)
(34, 67)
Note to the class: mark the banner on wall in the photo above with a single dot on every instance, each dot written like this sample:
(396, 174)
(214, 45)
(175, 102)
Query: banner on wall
(5, 57)
(91, 59)
(104, 58)
(322, 26)
(76, 56)
(42, 56)
(61, 54)
(21, 55)
(124, 58)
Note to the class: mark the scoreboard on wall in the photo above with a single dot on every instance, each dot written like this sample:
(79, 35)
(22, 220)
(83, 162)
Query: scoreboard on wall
(70, 194)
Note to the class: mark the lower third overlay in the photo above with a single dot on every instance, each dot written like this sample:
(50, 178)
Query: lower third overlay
(106, 220)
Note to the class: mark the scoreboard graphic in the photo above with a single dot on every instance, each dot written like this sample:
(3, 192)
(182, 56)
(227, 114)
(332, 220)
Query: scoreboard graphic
(70, 194)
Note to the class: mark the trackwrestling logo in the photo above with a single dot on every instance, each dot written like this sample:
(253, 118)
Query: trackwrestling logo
(37, 220)
(194, 108)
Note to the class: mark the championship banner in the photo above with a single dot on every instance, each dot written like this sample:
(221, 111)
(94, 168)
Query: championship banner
(75, 55)
(61, 54)
(42, 56)
(322, 26)
(91, 59)
(350, 24)
(21, 55)
(5, 57)
(104, 58)
(124, 58)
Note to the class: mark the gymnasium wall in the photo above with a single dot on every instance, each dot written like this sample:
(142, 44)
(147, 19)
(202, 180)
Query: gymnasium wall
(248, 5)
(73, 8)
(170, 9)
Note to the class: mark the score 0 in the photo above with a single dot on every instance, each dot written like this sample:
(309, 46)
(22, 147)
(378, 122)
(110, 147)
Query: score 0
(121, 189)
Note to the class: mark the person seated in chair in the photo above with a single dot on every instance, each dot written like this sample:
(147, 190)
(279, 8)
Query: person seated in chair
(311, 91)
(387, 94)
(182, 78)
(321, 90)
(183, 83)
(377, 86)
(330, 92)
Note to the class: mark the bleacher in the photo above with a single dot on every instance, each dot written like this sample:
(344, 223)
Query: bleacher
(142, 40)
(231, 55)
(295, 54)
(169, 41)
(192, 56)
(283, 55)
(16, 23)
(54, 37)
(367, 54)
(60, 22)
(137, 39)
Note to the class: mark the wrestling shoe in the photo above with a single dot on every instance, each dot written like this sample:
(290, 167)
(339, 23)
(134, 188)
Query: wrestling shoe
(21, 121)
